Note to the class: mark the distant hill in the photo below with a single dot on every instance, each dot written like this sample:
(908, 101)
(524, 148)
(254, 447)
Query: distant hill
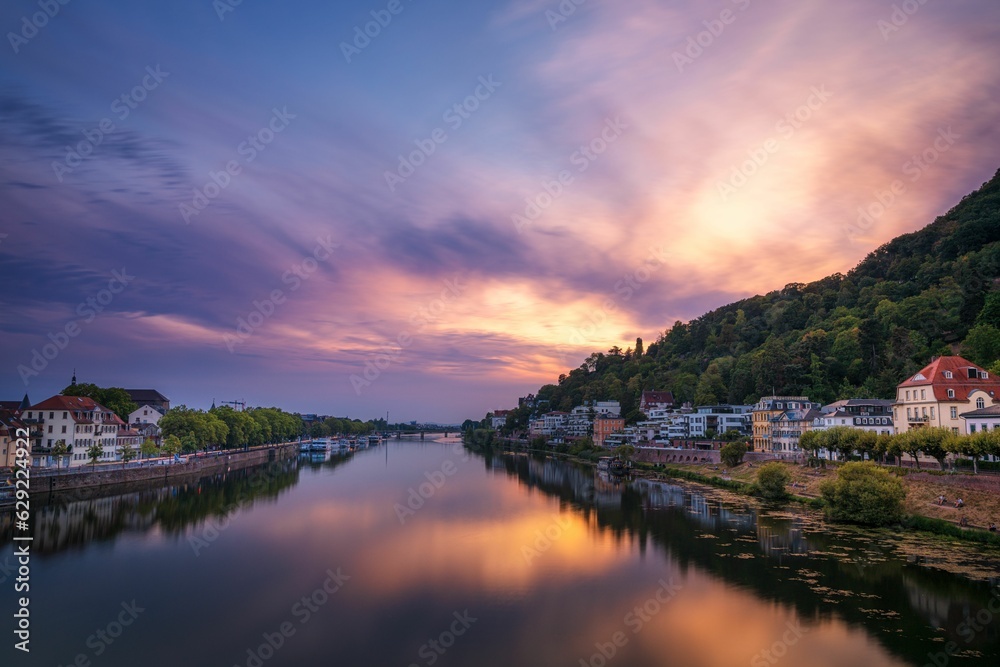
(927, 293)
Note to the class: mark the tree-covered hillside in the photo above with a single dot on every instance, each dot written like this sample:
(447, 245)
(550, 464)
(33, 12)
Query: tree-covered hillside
(927, 293)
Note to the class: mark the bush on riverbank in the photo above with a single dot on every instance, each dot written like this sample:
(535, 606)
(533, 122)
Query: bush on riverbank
(772, 478)
(864, 493)
(732, 453)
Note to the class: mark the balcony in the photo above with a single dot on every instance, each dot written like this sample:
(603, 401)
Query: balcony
(918, 419)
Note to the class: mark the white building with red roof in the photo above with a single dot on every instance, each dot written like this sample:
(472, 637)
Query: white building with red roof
(941, 392)
(77, 420)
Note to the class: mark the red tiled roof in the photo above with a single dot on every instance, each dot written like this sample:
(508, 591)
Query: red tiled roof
(934, 375)
(74, 404)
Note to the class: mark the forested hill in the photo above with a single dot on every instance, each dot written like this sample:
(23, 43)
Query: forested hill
(932, 292)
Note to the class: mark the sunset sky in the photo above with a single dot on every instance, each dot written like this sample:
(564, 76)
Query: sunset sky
(468, 202)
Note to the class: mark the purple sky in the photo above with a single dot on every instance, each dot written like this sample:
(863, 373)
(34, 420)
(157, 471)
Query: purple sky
(567, 182)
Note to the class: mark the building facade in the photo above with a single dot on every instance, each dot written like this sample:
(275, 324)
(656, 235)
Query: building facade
(767, 410)
(652, 400)
(941, 392)
(866, 414)
(605, 426)
(76, 420)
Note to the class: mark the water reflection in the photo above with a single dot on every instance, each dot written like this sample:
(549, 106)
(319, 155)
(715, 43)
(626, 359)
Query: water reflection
(553, 559)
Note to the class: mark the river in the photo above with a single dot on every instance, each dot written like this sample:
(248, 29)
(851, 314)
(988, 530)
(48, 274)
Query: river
(421, 553)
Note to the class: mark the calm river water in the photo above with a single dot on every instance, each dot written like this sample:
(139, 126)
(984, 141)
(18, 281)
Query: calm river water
(423, 554)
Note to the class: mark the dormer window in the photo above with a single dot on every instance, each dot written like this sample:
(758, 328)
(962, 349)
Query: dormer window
(980, 403)
(951, 393)
(984, 376)
(948, 375)
(973, 373)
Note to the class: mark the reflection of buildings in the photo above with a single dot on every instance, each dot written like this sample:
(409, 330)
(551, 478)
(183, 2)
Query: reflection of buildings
(67, 521)
(941, 609)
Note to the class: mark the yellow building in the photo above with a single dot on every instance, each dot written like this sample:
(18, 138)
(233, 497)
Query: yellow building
(768, 409)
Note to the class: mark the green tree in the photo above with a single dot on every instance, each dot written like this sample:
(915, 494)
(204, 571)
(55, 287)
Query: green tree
(624, 452)
(933, 442)
(975, 446)
(982, 345)
(128, 453)
(864, 493)
(772, 478)
(94, 453)
(148, 448)
(113, 398)
(990, 314)
(732, 453)
(59, 450)
(811, 442)
(172, 445)
(842, 439)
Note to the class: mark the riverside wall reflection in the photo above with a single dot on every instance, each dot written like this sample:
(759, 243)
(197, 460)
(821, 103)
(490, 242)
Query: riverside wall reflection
(75, 519)
(792, 557)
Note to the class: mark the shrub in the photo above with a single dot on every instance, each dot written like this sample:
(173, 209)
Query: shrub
(864, 493)
(772, 478)
(732, 453)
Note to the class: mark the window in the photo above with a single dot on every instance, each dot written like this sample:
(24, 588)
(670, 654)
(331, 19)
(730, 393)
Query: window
(954, 430)
(932, 412)
(907, 394)
(951, 393)
(973, 373)
(972, 428)
(52, 415)
(980, 403)
(954, 413)
(984, 375)
(948, 375)
(908, 415)
(50, 428)
(923, 394)
(64, 428)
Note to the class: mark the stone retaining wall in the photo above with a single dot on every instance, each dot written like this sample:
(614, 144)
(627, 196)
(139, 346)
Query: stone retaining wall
(195, 465)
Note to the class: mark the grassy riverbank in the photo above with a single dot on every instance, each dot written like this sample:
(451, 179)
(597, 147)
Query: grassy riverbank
(980, 493)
